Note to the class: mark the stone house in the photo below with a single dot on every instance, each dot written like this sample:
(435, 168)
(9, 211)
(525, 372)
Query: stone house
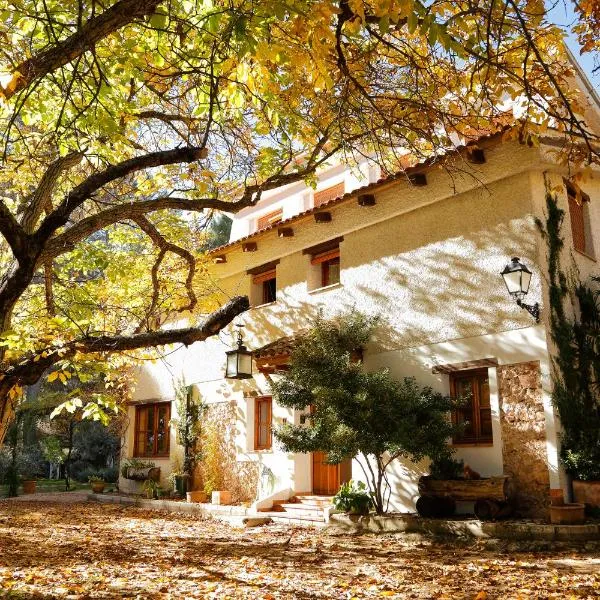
(423, 250)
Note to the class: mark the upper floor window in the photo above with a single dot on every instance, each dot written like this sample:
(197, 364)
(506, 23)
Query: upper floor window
(269, 219)
(324, 264)
(580, 220)
(330, 193)
(263, 408)
(264, 284)
(475, 415)
(152, 429)
(329, 265)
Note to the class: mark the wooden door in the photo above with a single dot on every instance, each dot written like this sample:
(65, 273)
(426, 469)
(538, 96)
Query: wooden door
(326, 479)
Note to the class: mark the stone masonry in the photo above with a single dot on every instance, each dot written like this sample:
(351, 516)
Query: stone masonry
(523, 436)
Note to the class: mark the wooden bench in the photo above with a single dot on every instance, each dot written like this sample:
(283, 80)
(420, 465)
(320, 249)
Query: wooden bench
(492, 496)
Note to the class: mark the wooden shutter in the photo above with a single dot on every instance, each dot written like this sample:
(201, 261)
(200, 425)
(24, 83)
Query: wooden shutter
(330, 193)
(264, 276)
(322, 257)
(269, 219)
(577, 222)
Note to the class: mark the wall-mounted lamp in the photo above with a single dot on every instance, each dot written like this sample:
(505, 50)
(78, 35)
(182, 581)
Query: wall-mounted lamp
(239, 361)
(517, 278)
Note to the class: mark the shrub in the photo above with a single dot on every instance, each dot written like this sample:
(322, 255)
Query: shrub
(446, 467)
(353, 497)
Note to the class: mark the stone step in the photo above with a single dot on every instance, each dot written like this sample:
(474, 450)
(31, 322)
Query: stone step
(293, 518)
(303, 509)
(321, 501)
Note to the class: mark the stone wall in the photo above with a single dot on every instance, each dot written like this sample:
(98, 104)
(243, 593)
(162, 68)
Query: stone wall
(524, 436)
(219, 428)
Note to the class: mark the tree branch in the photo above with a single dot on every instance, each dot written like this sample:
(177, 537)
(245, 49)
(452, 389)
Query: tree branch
(152, 232)
(60, 215)
(119, 15)
(41, 198)
(30, 370)
(13, 232)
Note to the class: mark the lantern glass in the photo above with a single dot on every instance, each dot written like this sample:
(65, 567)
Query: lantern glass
(232, 369)
(245, 364)
(517, 278)
(239, 364)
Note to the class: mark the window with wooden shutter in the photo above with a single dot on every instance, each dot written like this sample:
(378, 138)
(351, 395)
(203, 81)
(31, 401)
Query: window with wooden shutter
(475, 414)
(330, 193)
(329, 264)
(152, 434)
(580, 219)
(576, 212)
(269, 219)
(263, 423)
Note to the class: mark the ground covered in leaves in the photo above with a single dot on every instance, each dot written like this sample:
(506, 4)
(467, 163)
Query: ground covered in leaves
(105, 551)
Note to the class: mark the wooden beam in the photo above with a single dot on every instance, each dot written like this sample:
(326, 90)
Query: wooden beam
(324, 246)
(220, 259)
(463, 366)
(476, 156)
(366, 200)
(323, 217)
(249, 247)
(283, 232)
(418, 179)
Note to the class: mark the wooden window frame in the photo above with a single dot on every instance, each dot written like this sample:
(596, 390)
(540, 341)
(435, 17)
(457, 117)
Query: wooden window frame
(136, 437)
(477, 439)
(262, 278)
(325, 260)
(257, 424)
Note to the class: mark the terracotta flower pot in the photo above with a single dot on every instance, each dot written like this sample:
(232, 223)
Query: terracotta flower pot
(557, 497)
(199, 496)
(221, 497)
(29, 486)
(98, 486)
(568, 514)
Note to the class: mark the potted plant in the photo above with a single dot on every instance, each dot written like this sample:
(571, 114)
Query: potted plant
(28, 471)
(353, 498)
(151, 489)
(98, 484)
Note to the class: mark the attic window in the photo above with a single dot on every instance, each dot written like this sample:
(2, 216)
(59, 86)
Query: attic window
(269, 219)
(328, 194)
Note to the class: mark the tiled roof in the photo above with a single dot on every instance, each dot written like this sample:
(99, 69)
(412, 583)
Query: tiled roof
(280, 347)
(361, 190)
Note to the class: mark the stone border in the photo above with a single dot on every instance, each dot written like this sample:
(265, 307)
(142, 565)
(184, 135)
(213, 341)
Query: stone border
(197, 508)
(468, 528)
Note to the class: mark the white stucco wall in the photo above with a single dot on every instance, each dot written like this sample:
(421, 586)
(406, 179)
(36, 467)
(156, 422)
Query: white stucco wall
(427, 261)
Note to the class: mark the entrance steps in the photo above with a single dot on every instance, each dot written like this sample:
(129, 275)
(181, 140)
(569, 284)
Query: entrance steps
(302, 509)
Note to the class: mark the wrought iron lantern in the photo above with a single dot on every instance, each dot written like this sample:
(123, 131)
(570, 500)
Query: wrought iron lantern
(517, 278)
(239, 360)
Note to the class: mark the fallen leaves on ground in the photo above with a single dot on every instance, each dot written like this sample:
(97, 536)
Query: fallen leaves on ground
(83, 551)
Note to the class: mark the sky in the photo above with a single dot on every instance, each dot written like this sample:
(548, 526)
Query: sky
(562, 14)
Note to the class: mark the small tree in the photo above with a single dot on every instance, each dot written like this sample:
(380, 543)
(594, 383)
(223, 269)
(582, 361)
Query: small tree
(355, 413)
(187, 425)
(576, 362)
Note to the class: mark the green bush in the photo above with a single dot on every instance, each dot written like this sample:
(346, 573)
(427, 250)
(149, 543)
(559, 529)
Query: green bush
(446, 467)
(353, 497)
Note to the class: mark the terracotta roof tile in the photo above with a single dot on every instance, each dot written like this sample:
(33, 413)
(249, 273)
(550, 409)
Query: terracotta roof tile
(361, 190)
